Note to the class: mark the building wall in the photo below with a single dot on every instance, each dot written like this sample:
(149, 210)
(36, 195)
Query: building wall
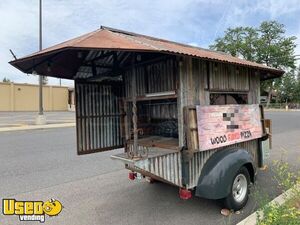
(5, 97)
(24, 97)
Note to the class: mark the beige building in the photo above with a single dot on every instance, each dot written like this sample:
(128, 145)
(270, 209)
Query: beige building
(24, 97)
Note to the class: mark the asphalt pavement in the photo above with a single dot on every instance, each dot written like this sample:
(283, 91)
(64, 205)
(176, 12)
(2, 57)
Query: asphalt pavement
(42, 164)
(19, 119)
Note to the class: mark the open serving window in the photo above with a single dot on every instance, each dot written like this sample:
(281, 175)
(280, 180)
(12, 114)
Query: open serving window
(151, 91)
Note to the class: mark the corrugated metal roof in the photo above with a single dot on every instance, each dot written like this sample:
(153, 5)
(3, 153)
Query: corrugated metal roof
(107, 38)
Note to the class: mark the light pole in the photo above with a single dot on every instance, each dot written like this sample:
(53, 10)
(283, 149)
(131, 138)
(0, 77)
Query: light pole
(41, 119)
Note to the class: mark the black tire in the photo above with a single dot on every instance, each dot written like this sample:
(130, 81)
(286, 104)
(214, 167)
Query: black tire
(236, 200)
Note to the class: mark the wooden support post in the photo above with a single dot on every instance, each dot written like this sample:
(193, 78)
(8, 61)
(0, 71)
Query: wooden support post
(134, 109)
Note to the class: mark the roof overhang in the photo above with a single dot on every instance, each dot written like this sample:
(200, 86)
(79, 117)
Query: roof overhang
(65, 59)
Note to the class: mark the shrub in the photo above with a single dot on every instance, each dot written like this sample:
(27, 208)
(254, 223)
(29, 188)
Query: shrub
(289, 212)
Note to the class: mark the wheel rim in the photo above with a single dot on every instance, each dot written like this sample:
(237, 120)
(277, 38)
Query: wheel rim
(239, 188)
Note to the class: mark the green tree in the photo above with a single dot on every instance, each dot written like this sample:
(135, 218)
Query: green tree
(45, 80)
(6, 80)
(298, 74)
(239, 41)
(266, 44)
(287, 91)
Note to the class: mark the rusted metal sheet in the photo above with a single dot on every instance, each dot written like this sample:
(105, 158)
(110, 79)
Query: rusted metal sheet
(117, 40)
(220, 126)
(98, 122)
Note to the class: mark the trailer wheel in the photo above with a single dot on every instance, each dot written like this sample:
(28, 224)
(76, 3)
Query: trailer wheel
(238, 196)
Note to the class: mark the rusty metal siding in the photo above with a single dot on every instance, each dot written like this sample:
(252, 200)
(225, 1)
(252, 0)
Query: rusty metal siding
(97, 118)
(117, 40)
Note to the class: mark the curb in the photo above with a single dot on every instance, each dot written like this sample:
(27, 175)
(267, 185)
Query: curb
(251, 219)
(281, 110)
(36, 127)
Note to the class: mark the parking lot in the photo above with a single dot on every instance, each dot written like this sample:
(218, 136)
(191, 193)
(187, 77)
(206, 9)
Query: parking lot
(17, 119)
(42, 164)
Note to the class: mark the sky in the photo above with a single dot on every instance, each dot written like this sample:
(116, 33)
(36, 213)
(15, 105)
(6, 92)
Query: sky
(195, 22)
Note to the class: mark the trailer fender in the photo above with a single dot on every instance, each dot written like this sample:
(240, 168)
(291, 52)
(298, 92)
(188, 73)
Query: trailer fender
(219, 170)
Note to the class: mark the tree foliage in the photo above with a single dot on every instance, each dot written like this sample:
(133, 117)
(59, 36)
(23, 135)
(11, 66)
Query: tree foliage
(289, 89)
(6, 80)
(239, 41)
(45, 80)
(266, 44)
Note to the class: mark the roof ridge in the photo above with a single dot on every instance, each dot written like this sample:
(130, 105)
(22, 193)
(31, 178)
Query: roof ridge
(160, 39)
(128, 33)
(88, 35)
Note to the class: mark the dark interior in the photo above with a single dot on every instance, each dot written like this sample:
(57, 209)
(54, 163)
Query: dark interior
(158, 117)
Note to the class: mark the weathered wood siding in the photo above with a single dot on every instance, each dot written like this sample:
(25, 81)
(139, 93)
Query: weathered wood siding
(254, 91)
(157, 77)
(160, 76)
(227, 77)
(198, 78)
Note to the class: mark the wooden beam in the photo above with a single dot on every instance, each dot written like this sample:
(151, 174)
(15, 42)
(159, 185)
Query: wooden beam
(41, 62)
(108, 73)
(97, 65)
(103, 55)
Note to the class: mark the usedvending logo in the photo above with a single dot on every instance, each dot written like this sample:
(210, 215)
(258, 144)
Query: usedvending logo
(31, 210)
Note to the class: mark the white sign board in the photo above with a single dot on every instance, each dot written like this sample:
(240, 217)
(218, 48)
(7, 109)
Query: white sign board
(222, 125)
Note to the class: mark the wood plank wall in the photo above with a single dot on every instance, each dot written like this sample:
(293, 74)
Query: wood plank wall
(198, 78)
(157, 77)
(194, 80)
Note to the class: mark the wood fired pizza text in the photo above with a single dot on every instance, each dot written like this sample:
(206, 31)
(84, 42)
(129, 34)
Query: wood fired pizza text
(231, 137)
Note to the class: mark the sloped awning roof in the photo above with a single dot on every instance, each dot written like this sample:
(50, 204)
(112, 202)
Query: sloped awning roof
(66, 61)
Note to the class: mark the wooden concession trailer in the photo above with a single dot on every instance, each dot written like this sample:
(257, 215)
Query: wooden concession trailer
(184, 115)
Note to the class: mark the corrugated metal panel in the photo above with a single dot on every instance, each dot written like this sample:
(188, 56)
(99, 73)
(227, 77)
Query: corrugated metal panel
(112, 39)
(251, 147)
(196, 164)
(167, 167)
(98, 117)
(199, 159)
